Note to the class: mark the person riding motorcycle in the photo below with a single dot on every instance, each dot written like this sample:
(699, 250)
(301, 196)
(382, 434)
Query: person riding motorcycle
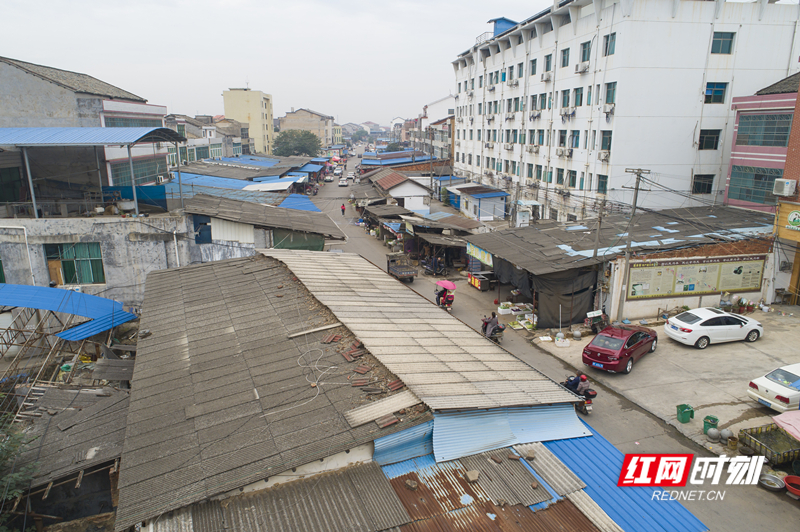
(490, 325)
(583, 385)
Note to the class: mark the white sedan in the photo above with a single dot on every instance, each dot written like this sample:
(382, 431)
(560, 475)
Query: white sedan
(779, 389)
(343, 182)
(703, 326)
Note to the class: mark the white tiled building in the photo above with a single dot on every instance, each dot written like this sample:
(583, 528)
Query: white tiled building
(564, 102)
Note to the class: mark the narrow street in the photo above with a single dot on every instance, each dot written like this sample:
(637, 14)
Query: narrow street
(630, 428)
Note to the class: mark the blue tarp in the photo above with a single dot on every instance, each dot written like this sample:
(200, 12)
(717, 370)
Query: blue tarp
(104, 313)
(299, 202)
(598, 464)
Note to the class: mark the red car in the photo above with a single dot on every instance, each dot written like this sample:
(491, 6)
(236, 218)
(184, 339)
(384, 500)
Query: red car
(615, 349)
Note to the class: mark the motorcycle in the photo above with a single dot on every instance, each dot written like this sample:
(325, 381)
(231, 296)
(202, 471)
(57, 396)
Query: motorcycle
(445, 296)
(585, 406)
(497, 333)
(433, 267)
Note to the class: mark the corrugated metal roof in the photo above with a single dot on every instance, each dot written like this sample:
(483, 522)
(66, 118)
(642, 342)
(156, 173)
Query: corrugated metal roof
(390, 162)
(310, 168)
(113, 370)
(598, 464)
(442, 240)
(412, 338)
(508, 480)
(391, 181)
(85, 136)
(592, 510)
(103, 313)
(265, 198)
(75, 81)
(460, 434)
(299, 202)
(405, 445)
(551, 469)
(305, 221)
(382, 407)
(488, 195)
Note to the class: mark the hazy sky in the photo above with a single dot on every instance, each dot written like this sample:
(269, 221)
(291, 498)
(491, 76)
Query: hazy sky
(355, 60)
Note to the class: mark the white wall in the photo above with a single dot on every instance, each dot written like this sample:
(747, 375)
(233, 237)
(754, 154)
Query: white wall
(413, 196)
(661, 65)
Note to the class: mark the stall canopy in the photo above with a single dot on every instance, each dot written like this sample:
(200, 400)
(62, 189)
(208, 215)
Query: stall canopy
(442, 240)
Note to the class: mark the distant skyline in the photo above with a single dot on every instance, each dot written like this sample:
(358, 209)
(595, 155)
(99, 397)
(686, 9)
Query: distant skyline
(356, 61)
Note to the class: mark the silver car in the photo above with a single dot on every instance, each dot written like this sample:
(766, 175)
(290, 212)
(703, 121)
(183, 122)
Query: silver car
(703, 326)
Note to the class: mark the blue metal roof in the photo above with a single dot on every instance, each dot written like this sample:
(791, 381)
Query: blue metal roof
(464, 433)
(251, 161)
(296, 174)
(320, 159)
(498, 194)
(437, 215)
(336, 147)
(310, 168)
(390, 162)
(85, 136)
(210, 181)
(104, 313)
(394, 226)
(598, 464)
(404, 445)
(299, 202)
(448, 178)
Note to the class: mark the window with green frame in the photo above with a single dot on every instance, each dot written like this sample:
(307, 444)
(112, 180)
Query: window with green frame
(80, 263)
(145, 171)
(202, 152)
(2, 273)
(762, 130)
(750, 183)
(602, 184)
(124, 121)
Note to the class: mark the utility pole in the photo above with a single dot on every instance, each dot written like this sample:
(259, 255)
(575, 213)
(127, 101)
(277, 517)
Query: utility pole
(624, 285)
(599, 225)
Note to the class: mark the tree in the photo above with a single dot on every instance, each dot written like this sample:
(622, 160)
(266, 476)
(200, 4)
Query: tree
(295, 142)
(13, 479)
(359, 135)
(394, 146)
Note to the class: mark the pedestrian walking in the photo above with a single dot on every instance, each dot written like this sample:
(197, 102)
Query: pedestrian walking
(342, 209)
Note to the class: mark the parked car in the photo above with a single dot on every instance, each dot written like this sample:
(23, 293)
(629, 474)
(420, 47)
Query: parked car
(779, 389)
(616, 348)
(329, 178)
(343, 182)
(703, 326)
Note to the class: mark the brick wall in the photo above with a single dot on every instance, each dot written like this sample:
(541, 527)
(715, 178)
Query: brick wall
(792, 169)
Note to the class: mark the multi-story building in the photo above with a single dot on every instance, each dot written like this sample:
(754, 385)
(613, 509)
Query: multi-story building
(320, 124)
(436, 112)
(759, 144)
(338, 137)
(41, 96)
(254, 108)
(570, 98)
(204, 138)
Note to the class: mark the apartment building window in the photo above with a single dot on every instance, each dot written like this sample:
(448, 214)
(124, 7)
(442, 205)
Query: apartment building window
(480, 81)
(532, 67)
(572, 178)
(494, 135)
(182, 130)
(585, 139)
(479, 134)
(2, 273)
(480, 108)
(548, 62)
(589, 182)
(702, 184)
(520, 68)
(589, 95)
(459, 87)
(709, 139)
(550, 100)
(559, 176)
(522, 136)
(548, 136)
(80, 263)
(749, 183)
(578, 96)
(497, 76)
(469, 159)
(542, 101)
(565, 57)
(602, 184)
(478, 159)
(458, 134)
(562, 138)
(550, 175)
(516, 105)
(540, 140)
(611, 92)
(715, 92)
(124, 121)
(511, 72)
(533, 103)
(502, 76)
(605, 141)
(722, 43)
(594, 139)
(530, 175)
(509, 103)
(508, 135)
(575, 139)
(565, 98)
(581, 182)
(531, 135)
(538, 172)
(145, 170)
(609, 44)
(471, 132)
(472, 84)
(586, 51)
(764, 130)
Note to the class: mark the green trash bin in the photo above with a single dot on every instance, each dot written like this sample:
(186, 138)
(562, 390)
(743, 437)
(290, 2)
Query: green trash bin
(709, 422)
(685, 413)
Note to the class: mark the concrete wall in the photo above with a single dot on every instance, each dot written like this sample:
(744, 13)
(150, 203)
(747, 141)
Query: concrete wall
(303, 120)
(30, 101)
(254, 108)
(661, 64)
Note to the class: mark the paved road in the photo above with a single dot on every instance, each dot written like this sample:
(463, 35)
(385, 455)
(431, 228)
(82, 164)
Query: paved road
(630, 428)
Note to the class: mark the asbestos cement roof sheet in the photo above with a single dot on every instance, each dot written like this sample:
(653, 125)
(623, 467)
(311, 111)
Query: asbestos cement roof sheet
(358, 499)
(506, 479)
(263, 215)
(372, 411)
(382, 211)
(592, 510)
(113, 370)
(424, 339)
(222, 397)
(551, 469)
(549, 246)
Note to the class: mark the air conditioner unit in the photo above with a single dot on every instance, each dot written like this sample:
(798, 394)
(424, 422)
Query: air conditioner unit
(458, 143)
(547, 76)
(784, 187)
(508, 146)
(459, 119)
(568, 153)
(533, 149)
(560, 152)
(492, 88)
(513, 83)
(490, 118)
(160, 179)
(490, 145)
(582, 67)
(535, 115)
(564, 111)
(571, 111)
(509, 116)
(470, 94)
(608, 108)
(603, 155)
